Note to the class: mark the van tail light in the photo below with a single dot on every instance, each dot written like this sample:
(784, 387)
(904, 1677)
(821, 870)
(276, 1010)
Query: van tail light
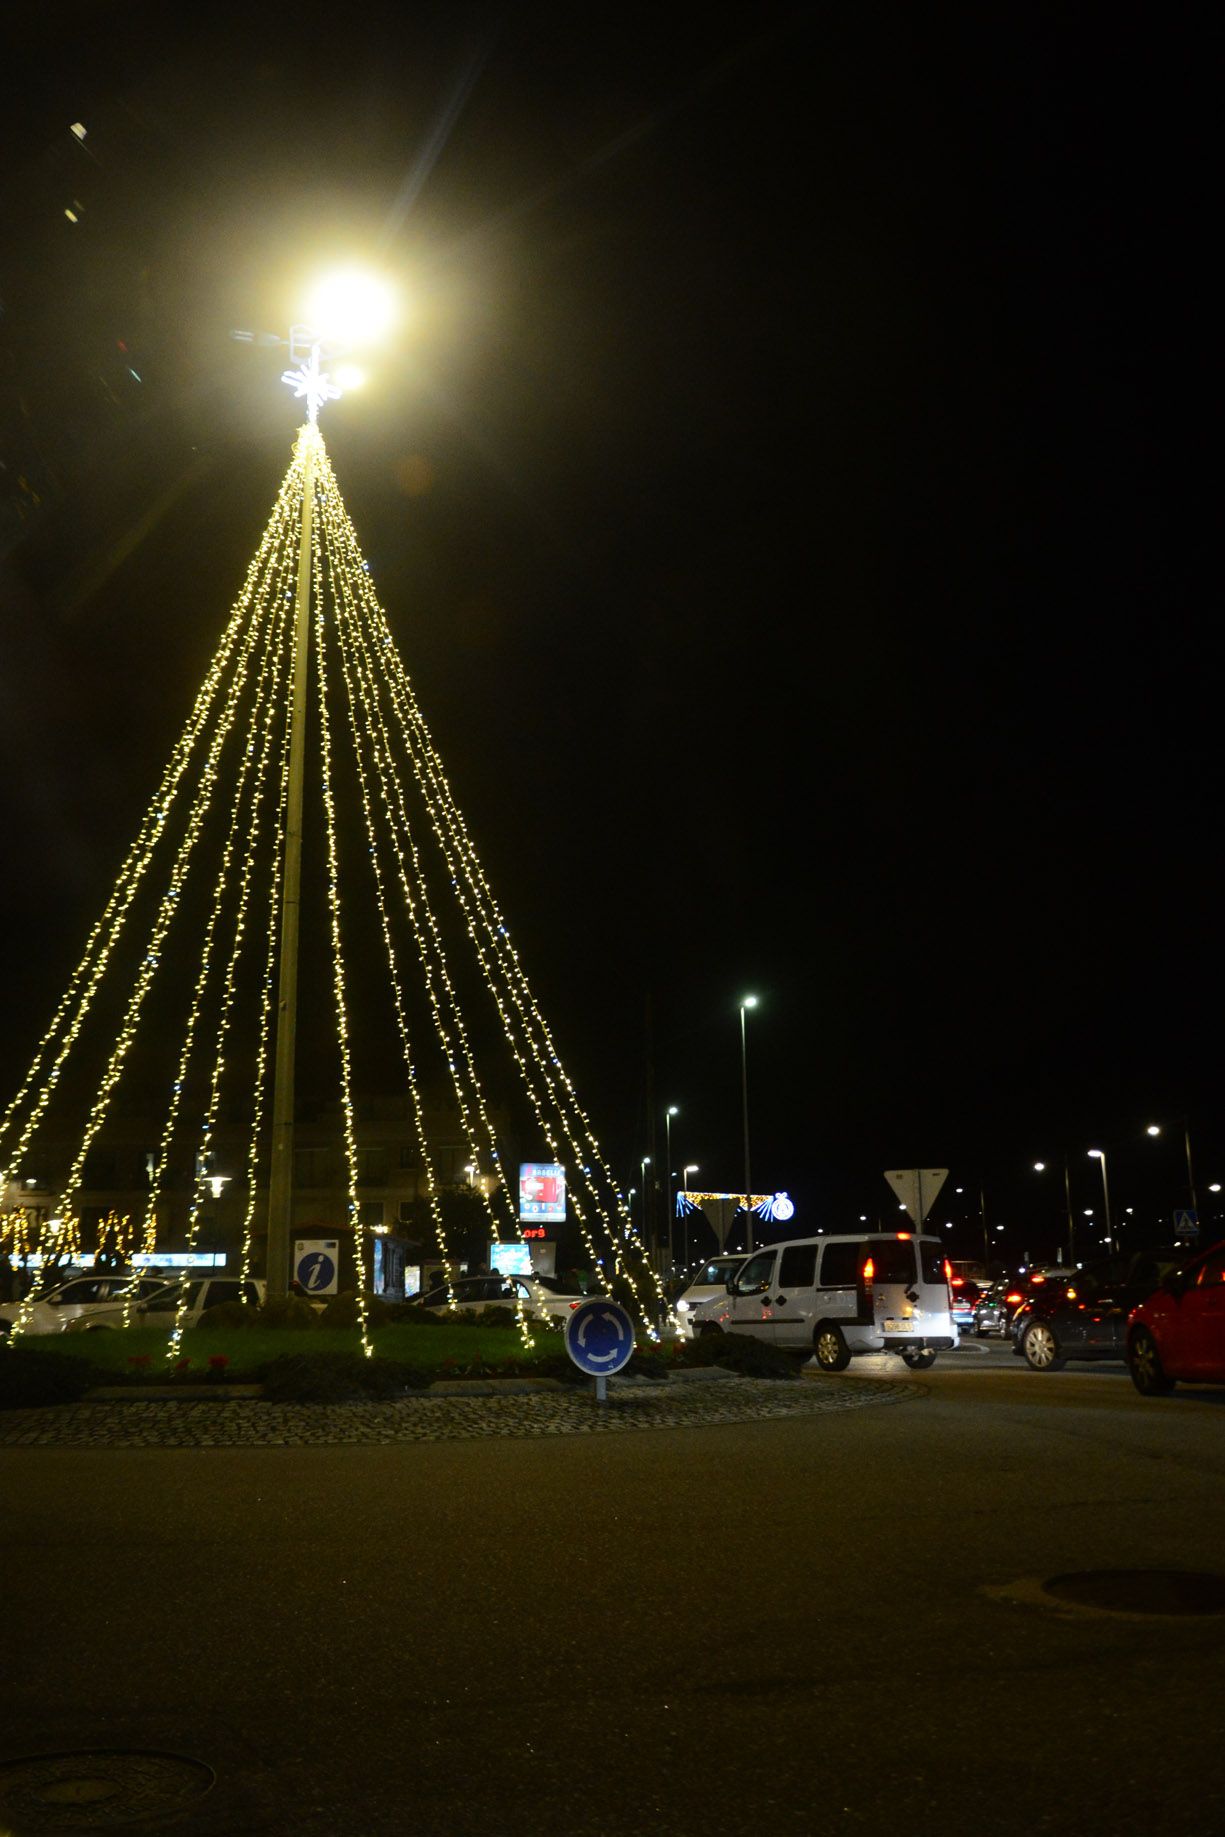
(575, 1304)
(948, 1270)
(869, 1273)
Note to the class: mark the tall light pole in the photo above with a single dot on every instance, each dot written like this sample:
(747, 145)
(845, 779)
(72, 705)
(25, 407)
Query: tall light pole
(346, 308)
(1040, 1168)
(1154, 1129)
(750, 1001)
(671, 1111)
(1099, 1154)
(642, 1174)
(691, 1168)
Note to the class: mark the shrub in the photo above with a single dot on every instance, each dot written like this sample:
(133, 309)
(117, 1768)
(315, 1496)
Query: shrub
(30, 1377)
(229, 1315)
(740, 1352)
(342, 1311)
(290, 1311)
(408, 1314)
(336, 1377)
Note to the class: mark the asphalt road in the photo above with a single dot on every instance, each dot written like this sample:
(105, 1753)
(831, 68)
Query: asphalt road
(823, 1624)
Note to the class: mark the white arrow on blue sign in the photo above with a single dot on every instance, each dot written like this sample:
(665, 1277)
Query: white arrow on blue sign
(600, 1337)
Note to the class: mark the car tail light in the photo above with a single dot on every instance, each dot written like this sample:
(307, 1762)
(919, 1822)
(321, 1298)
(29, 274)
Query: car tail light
(958, 1282)
(1070, 1292)
(1037, 1279)
(1013, 1298)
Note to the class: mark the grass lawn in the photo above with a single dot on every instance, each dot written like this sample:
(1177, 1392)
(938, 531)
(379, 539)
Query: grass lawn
(249, 1347)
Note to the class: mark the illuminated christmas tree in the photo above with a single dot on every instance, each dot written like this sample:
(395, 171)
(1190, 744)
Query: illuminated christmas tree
(209, 896)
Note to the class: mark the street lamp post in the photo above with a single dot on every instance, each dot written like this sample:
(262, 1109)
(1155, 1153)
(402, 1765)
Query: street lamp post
(642, 1171)
(344, 308)
(1040, 1168)
(750, 1001)
(692, 1168)
(1099, 1154)
(669, 1113)
(1155, 1129)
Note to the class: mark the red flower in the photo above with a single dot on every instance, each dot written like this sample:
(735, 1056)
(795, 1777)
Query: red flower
(218, 1361)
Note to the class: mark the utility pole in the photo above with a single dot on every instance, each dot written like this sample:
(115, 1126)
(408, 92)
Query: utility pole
(280, 1179)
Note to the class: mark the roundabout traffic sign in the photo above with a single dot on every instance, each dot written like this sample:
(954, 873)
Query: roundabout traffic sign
(600, 1339)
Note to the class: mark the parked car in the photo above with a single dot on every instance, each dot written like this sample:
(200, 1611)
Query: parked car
(1179, 1331)
(964, 1292)
(161, 1309)
(1086, 1317)
(83, 1303)
(708, 1284)
(540, 1295)
(995, 1309)
(836, 1297)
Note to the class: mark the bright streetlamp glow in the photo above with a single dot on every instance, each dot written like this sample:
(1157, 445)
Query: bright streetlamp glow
(1095, 1154)
(1214, 1186)
(351, 308)
(1039, 1167)
(1153, 1129)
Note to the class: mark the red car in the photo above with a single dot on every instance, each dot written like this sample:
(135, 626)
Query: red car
(1179, 1332)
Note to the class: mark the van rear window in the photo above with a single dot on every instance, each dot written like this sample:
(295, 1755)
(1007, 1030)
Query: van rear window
(932, 1257)
(892, 1259)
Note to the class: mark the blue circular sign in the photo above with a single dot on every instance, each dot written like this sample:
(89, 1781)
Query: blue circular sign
(316, 1272)
(600, 1337)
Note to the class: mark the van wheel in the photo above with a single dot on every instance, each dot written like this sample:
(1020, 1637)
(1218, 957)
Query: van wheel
(832, 1351)
(919, 1361)
(708, 1330)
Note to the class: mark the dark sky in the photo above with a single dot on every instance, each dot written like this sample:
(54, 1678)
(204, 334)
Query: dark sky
(789, 489)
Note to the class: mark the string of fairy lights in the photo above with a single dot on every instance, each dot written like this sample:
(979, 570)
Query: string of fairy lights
(227, 779)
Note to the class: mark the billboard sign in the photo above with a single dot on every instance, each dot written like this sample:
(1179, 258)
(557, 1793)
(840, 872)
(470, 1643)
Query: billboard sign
(542, 1192)
(510, 1259)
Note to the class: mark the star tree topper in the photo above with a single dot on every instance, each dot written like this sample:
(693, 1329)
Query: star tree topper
(309, 381)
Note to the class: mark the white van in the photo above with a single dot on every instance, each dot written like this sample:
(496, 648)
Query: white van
(834, 1297)
(709, 1284)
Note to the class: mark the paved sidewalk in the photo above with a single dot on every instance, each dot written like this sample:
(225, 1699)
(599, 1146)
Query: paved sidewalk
(249, 1423)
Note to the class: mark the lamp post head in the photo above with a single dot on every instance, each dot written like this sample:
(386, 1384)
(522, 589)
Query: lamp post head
(672, 1110)
(749, 1001)
(1096, 1154)
(1039, 1167)
(1153, 1129)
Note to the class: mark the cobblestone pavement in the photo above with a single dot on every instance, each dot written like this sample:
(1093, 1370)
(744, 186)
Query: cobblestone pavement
(244, 1423)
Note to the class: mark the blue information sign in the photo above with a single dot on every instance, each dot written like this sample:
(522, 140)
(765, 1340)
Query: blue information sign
(1186, 1223)
(600, 1337)
(316, 1271)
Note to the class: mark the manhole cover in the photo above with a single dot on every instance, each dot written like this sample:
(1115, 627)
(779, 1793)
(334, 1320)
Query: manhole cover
(88, 1792)
(1141, 1591)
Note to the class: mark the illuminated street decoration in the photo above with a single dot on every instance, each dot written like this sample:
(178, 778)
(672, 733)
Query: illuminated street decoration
(310, 382)
(206, 871)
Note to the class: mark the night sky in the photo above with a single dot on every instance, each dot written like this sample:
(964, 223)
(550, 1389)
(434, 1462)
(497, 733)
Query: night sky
(789, 488)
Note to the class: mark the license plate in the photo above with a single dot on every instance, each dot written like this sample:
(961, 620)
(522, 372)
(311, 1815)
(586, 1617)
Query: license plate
(899, 1326)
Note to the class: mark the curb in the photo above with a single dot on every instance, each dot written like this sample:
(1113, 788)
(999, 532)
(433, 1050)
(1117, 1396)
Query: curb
(441, 1387)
